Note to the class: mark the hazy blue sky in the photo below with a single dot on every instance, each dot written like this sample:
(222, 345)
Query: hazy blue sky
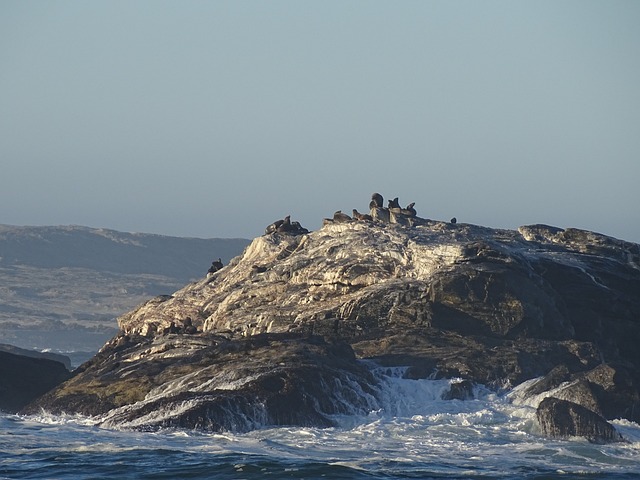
(215, 118)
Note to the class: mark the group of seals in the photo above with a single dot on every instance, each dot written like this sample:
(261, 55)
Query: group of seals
(187, 327)
(393, 213)
(339, 217)
(377, 211)
(286, 226)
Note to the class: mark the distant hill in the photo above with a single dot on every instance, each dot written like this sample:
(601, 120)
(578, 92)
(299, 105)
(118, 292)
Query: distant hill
(61, 288)
(112, 251)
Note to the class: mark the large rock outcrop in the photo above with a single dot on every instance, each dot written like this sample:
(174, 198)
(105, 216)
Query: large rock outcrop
(212, 383)
(496, 307)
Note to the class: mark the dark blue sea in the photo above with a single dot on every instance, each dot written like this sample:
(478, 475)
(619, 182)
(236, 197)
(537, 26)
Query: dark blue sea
(414, 435)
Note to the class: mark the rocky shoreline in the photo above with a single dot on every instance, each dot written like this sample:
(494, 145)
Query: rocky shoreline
(278, 335)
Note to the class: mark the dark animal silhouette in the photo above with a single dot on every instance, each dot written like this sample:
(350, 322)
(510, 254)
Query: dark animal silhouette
(340, 217)
(361, 216)
(376, 201)
(215, 266)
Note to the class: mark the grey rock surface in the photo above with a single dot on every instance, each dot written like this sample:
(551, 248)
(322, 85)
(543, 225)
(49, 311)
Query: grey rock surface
(562, 419)
(495, 307)
(210, 383)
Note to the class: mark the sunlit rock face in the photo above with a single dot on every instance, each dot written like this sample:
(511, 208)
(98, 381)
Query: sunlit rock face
(363, 281)
(496, 307)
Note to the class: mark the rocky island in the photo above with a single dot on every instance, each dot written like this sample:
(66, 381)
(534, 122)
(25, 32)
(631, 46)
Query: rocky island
(287, 333)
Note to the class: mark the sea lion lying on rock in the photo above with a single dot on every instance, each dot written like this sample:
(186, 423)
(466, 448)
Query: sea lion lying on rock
(361, 216)
(340, 217)
(393, 213)
(286, 226)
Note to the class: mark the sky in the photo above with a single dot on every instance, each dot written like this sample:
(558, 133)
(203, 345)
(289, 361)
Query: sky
(216, 118)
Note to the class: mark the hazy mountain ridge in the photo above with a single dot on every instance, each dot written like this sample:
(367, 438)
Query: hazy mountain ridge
(113, 251)
(61, 287)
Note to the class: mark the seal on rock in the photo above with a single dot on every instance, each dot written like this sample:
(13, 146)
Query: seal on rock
(376, 201)
(286, 226)
(381, 214)
(394, 203)
(172, 328)
(188, 327)
(215, 266)
(396, 215)
(361, 216)
(274, 226)
(454, 220)
(410, 210)
(258, 268)
(340, 217)
(296, 227)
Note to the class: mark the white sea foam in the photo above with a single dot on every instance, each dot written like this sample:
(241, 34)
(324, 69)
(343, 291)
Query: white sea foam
(408, 429)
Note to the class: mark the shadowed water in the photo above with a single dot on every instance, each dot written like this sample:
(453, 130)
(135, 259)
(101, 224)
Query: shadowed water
(414, 434)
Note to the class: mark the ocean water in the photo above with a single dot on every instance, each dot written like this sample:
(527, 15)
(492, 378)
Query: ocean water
(413, 434)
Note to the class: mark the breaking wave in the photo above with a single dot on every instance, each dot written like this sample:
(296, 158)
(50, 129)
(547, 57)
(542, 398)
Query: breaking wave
(409, 432)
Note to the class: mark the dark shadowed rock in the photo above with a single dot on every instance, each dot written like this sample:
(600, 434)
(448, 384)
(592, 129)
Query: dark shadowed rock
(580, 392)
(66, 361)
(617, 390)
(608, 390)
(213, 384)
(23, 379)
(461, 390)
(558, 375)
(563, 419)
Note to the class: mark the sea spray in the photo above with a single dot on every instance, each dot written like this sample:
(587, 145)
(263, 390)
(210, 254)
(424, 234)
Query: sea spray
(409, 432)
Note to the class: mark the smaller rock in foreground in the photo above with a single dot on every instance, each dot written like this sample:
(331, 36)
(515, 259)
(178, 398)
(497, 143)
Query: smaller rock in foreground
(23, 379)
(563, 419)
